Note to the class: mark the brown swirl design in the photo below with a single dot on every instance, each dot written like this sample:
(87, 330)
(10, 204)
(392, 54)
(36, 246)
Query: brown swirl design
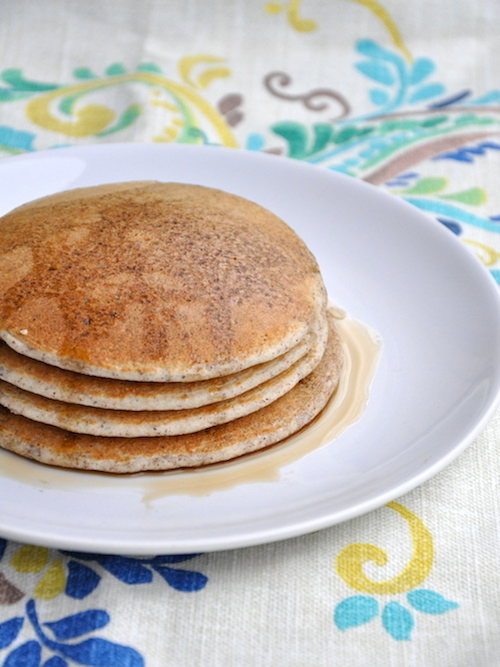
(313, 100)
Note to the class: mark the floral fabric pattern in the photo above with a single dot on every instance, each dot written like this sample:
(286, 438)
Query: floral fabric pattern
(413, 124)
(405, 97)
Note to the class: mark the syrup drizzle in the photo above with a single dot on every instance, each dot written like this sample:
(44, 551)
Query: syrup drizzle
(362, 348)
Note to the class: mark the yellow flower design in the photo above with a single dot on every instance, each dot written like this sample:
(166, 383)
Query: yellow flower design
(350, 560)
(397, 619)
(292, 9)
(293, 13)
(32, 559)
(61, 110)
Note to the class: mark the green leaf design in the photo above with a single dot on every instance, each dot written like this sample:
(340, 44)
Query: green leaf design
(149, 67)
(8, 95)
(346, 134)
(15, 78)
(399, 124)
(433, 121)
(468, 119)
(473, 196)
(323, 133)
(84, 73)
(130, 114)
(295, 134)
(66, 103)
(428, 186)
(115, 69)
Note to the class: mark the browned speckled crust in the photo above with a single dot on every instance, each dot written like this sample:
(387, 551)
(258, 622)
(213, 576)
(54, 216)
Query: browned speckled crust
(70, 387)
(167, 282)
(137, 423)
(268, 426)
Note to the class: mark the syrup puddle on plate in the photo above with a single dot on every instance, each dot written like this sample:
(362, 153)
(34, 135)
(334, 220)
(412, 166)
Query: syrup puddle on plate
(362, 348)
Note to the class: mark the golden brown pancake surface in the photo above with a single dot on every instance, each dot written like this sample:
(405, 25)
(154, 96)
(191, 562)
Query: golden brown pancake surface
(283, 417)
(156, 281)
(155, 422)
(152, 326)
(63, 385)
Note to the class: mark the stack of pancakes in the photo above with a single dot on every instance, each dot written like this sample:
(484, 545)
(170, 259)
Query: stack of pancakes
(152, 326)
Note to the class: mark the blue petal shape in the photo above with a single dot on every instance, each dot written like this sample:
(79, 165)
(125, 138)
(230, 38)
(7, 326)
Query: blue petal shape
(397, 620)
(491, 97)
(379, 97)
(182, 580)
(421, 69)
(458, 97)
(9, 631)
(79, 624)
(403, 180)
(468, 153)
(128, 570)
(81, 581)
(16, 139)
(162, 560)
(440, 208)
(26, 655)
(377, 71)
(426, 92)
(430, 602)
(368, 47)
(451, 225)
(355, 611)
(255, 142)
(99, 652)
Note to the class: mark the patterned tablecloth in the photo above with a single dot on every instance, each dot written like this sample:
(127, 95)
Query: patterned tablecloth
(403, 95)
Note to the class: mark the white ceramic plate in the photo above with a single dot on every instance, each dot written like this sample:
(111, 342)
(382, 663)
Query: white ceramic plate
(383, 261)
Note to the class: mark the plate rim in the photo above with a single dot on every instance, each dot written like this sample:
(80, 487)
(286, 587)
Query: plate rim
(308, 525)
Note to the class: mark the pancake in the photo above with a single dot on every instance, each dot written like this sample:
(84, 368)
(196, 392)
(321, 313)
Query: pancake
(152, 326)
(132, 424)
(271, 424)
(67, 386)
(154, 282)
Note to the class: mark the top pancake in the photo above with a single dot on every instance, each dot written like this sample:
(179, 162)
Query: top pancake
(154, 282)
